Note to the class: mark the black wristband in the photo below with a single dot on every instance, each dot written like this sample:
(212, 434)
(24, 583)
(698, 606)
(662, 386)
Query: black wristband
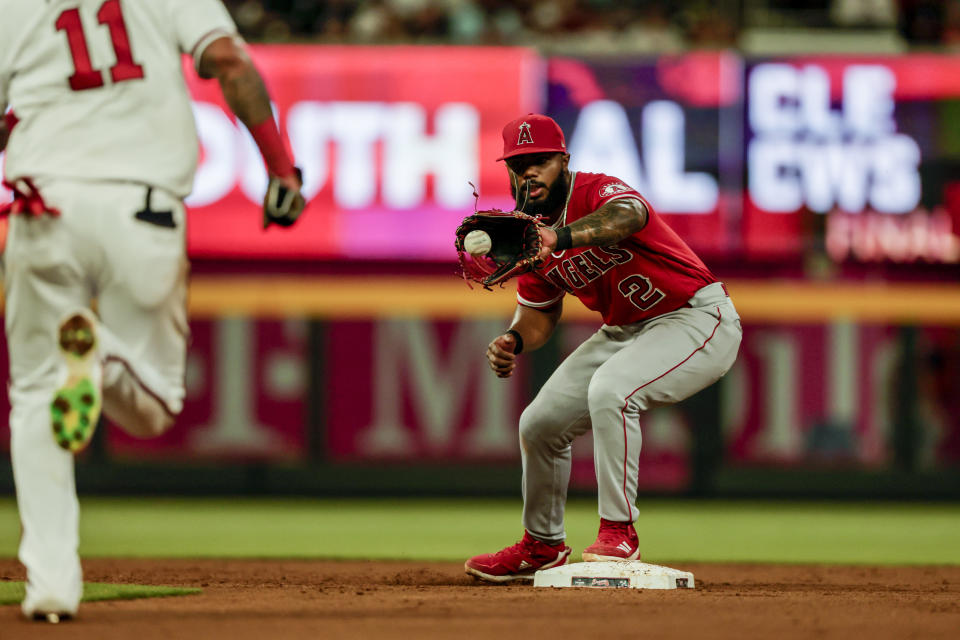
(519, 339)
(564, 239)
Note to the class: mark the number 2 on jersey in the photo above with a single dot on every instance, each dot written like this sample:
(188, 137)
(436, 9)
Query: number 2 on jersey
(640, 291)
(84, 75)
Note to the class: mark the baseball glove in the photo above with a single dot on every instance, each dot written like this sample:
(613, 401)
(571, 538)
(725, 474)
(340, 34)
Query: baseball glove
(515, 244)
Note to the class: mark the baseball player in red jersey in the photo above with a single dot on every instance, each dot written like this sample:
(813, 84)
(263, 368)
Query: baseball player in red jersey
(669, 330)
(101, 149)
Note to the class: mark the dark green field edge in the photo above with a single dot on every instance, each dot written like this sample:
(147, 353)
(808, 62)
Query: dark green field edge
(495, 480)
(11, 592)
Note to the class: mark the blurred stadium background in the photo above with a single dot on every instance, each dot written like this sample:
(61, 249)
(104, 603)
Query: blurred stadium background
(808, 151)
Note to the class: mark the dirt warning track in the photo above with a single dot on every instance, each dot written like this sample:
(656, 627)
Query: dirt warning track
(398, 600)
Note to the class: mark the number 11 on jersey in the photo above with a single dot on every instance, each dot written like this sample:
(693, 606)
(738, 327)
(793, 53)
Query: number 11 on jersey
(84, 75)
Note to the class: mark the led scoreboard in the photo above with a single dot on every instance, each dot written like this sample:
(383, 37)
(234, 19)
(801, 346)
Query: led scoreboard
(870, 146)
(857, 157)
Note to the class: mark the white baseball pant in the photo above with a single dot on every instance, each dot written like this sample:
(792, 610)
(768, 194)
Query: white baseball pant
(607, 383)
(136, 270)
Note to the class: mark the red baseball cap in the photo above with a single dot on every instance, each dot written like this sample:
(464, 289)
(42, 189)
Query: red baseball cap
(533, 133)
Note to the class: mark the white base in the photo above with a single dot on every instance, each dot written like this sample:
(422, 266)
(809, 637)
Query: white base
(631, 574)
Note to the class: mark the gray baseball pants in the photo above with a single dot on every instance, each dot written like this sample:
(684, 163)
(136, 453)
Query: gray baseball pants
(607, 384)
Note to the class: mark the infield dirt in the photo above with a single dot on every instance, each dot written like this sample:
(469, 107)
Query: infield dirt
(400, 600)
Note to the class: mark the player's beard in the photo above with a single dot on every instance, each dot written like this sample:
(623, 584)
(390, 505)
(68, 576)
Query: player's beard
(556, 197)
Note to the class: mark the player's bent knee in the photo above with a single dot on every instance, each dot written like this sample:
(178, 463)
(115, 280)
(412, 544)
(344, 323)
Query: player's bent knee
(159, 425)
(151, 427)
(536, 426)
(609, 393)
(531, 426)
(144, 424)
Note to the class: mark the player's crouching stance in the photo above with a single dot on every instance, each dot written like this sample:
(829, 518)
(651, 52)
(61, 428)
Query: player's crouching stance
(669, 331)
(100, 160)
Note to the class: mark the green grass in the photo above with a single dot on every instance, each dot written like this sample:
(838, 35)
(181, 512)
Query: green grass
(850, 533)
(12, 592)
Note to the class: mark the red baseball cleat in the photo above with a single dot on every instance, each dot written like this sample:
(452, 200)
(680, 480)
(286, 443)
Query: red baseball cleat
(517, 562)
(616, 541)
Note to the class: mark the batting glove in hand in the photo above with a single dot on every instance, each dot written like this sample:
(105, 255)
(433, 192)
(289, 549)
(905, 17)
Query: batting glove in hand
(283, 203)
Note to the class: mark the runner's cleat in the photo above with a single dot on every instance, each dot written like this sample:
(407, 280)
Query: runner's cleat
(75, 409)
(615, 541)
(51, 617)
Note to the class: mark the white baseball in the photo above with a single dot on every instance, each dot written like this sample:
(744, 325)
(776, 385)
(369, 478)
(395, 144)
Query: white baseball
(477, 242)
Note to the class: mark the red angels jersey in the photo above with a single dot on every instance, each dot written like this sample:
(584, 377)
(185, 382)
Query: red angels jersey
(97, 87)
(648, 274)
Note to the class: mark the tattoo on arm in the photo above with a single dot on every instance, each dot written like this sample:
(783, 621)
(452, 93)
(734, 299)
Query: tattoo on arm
(609, 224)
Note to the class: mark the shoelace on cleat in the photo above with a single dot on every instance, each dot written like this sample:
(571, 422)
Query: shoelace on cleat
(522, 545)
(613, 532)
(528, 547)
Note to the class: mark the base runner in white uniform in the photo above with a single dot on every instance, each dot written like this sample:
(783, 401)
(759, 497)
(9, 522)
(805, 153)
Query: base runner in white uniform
(101, 149)
(669, 330)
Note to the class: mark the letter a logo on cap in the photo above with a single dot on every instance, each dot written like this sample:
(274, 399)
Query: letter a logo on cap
(532, 133)
(525, 137)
